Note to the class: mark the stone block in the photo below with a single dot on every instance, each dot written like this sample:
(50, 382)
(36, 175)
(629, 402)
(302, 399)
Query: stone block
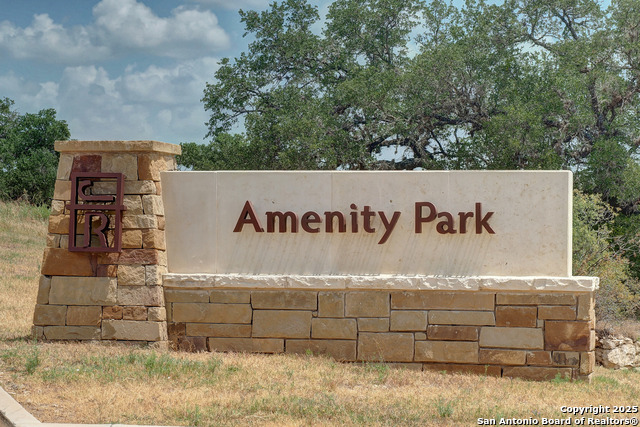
(284, 300)
(516, 316)
(130, 187)
(539, 358)
(134, 313)
(132, 330)
(57, 207)
(330, 304)
(112, 313)
(186, 295)
(504, 298)
(53, 240)
(247, 345)
(140, 295)
(191, 344)
(567, 336)
(37, 333)
(131, 275)
(64, 166)
(84, 315)
(556, 312)
(61, 262)
(153, 274)
(587, 362)
(72, 332)
(131, 256)
(420, 336)
(82, 290)
(566, 358)
(158, 188)
(150, 166)
(493, 371)
(46, 315)
(153, 239)
(132, 239)
(408, 321)
(341, 350)
(480, 318)
(86, 163)
(230, 297)
(59, 224)
(161, 222)
(586, 307)
(373, 324)
(139, 221)
(557, 298)
(126, 164)
(339, 329)
(226, 330)
(281, 323)
(385, 347)
(452, 333)
(502, 357)
(43, 290)
(162, 258)
(438, 300)
(211, 313)
(519, 338)
(152, 204)
(64, 241)
(157, 314)
(106, 270)
(367, 304)
(535, 373)
(133, 203)
(62, 190)
(446, 351)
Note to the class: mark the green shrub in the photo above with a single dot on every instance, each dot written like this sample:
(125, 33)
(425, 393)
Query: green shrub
(596, 252)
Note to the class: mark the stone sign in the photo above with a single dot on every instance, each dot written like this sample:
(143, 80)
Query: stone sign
(428, 223)
(455, 271)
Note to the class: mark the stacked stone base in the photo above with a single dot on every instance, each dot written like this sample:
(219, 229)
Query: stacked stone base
(107, 295)
(533, 335)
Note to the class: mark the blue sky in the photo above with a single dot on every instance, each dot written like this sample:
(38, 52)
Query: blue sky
(119, 69)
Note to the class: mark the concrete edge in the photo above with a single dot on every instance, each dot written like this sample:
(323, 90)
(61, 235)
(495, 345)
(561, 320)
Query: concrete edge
(383, 282)
(12, 414)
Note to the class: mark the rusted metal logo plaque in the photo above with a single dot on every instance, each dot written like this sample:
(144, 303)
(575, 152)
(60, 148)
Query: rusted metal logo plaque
(97, 203)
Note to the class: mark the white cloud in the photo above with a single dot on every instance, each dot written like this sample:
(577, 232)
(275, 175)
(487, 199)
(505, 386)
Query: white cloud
(237, 4)
(133, 26)
(31, 96)
(154, 103)
(119, 27)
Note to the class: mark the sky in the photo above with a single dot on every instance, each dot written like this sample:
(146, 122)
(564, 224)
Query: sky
(120, 69)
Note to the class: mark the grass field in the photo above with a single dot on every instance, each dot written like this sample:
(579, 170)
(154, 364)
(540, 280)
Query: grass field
(109, 383)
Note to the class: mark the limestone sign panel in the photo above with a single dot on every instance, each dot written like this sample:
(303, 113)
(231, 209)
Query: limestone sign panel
(471, 223)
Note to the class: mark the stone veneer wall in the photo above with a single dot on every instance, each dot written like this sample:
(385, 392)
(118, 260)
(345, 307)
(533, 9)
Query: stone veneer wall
(109, 296)
(534, 335)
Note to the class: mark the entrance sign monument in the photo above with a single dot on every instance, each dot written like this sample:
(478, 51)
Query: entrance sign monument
(459, 271)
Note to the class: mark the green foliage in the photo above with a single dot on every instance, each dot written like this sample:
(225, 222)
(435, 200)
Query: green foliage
(597, 252)
(521, 85)
(28, 162)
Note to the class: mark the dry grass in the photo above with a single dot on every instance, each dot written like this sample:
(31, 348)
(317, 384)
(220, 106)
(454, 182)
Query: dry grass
(22, 238)
(108, 383)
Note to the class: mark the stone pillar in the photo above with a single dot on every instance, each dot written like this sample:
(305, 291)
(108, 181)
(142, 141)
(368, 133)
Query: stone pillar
(97, 293)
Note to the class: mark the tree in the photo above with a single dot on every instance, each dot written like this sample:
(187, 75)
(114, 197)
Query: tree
(28, 161)
(522, 85)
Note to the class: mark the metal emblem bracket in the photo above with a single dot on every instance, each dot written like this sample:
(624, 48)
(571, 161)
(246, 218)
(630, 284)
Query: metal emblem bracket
(93, 209)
